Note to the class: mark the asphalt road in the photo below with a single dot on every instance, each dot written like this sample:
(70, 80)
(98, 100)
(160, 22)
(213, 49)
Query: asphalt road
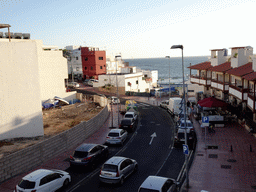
(154, 156)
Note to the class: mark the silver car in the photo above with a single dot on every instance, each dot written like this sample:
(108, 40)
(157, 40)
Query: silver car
(116, 169)
(158, 184)
(116, 136)
(189, 126)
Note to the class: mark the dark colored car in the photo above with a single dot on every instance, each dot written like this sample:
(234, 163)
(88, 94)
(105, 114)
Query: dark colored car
(128, 124)
(180, 138)
(89, 155)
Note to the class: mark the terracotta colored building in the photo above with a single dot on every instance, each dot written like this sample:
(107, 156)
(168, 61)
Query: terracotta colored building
(93, 62)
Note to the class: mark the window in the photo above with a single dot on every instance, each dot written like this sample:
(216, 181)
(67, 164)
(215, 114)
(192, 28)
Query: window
(100, 67)
(100, 58)
(91, 68)
(129, 84)
(104, 65)
(86, 58)
(76, 58)
(85, 68)
(77, 69)
(137, 82)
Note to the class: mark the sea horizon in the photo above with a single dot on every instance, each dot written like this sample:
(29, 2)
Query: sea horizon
(163, 65)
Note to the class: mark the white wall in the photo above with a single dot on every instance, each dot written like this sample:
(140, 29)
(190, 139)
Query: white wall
(52, 73)
(20, 100)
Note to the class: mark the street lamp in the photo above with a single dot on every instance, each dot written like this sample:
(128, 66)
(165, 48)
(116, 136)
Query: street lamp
(185, 111)
(117, 93)
(169, 74)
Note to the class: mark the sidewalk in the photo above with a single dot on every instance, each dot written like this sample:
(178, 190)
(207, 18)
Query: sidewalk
(223, 169)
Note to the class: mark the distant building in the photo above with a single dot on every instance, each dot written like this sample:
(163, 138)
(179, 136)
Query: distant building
(230, 78)
(73, 55)
(93, 62)
(30, 74)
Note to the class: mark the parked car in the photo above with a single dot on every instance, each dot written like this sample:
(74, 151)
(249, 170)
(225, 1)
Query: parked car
(180, 137)
(114, 100)
(86, 81)
(91, 81)
(189, 124)
(73, 84)
(116, 169)
(43, 180)
(89, 155)
(116, 136)
(131, 115)
(128, 124)
(164, 104)
(158, 184)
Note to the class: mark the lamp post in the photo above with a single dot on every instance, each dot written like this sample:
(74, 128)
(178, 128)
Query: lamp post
(169, 74)
(185, 111)
(117, 93)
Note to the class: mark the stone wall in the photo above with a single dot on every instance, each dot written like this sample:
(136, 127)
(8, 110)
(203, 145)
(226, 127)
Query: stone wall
(36, 154)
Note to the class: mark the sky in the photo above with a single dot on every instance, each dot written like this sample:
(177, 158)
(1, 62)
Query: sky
(136, 29)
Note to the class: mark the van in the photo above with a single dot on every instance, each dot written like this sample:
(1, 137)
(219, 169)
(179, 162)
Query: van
(174, 105)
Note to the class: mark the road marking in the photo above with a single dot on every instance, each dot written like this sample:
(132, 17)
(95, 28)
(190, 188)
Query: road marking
(153, 136)
(158, 124)
(88, 176)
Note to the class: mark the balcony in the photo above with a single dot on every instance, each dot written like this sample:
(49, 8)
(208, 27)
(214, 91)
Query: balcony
(238, 91)
(203, 80)
(220, 85)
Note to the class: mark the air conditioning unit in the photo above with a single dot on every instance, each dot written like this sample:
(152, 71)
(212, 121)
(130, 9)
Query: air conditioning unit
(1, 34)
(26, 35)
(17, 35)
(7, 36)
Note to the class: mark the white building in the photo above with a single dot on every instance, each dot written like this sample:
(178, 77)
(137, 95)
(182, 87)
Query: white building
(74, 61)
(114, 65)
(30, 73)
(133, 82)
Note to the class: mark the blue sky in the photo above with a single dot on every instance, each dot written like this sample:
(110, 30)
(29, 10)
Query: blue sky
(136, 29)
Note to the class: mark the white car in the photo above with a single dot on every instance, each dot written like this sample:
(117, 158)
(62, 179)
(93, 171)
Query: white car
(115, 100)
(158, 184)
(189, 126)
(91, 81)
(116, 136)
(164, 104)
(43, 180)
(131, 115)
(116, 169)
(73, 84)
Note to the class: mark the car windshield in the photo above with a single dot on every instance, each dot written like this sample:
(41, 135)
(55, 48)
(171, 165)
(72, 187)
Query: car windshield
(113, 134)
(108, 167)
(128, 116)
(25, 184)
(126, 122)
(80, 154)
(147, 190)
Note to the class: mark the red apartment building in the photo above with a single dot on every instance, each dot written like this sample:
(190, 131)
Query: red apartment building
(93, 62)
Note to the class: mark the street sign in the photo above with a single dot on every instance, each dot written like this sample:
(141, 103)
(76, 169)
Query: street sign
(185, 149)
(205, 121)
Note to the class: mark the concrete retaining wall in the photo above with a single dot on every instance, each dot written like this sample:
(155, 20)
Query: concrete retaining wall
(35, 155)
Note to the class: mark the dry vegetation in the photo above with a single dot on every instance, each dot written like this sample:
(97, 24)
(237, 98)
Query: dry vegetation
(55, 121)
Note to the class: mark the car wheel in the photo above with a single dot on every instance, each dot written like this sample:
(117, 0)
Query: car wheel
(121, 181)
(66, 182)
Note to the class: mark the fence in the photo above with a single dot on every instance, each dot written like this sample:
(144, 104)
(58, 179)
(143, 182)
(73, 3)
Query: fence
(38, 153)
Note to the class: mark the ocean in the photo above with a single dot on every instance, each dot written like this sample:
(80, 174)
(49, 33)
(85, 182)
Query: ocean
(162, 66)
